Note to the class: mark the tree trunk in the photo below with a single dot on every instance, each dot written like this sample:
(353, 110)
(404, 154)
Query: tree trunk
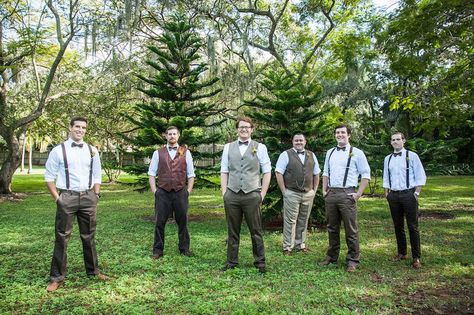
(30, 157)
(10, 164)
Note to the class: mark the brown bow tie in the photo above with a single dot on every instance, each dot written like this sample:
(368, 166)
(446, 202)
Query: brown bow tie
(172, 148)
(243, 143)
(397, 154)
(339, 149)
(300, 152)
(79, 145)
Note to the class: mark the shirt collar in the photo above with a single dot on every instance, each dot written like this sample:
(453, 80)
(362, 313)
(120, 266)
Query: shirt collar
(238, 139)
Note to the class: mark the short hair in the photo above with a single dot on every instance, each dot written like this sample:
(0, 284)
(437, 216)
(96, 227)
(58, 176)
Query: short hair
(78, 118)
(398, 133)
(171, 128)
(349, 131)
(298, 134)
(246, 119)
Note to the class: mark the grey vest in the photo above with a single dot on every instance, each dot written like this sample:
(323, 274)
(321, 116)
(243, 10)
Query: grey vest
(299, 176)
(244, 171)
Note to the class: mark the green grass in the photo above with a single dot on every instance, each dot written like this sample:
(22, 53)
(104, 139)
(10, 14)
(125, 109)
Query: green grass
(182, 285)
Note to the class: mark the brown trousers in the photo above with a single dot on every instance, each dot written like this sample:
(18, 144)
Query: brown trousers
(69, 205)
(341, 206)
(238, 205)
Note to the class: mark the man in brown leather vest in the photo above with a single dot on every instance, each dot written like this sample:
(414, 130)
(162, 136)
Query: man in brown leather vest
(241, 164)
(297, 173)
(173, 165)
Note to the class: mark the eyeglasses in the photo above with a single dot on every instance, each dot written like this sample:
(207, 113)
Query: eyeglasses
(244, 127)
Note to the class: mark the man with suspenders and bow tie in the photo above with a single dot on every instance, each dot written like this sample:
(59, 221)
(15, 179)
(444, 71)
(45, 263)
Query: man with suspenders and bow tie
(403, 177)
(342, 167)
(75, 166)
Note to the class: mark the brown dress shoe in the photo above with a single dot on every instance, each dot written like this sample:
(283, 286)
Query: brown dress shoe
(53, 286)
(416, 263)
(399, 257)
(287, 253)
(327, 261)
(101, 276)
(304, 250)
(351, 268)
(157, 256)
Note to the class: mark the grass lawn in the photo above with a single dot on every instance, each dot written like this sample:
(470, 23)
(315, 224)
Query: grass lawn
(182, 285)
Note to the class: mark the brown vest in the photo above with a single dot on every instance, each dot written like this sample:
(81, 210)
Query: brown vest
(299, 176)
(171, 173)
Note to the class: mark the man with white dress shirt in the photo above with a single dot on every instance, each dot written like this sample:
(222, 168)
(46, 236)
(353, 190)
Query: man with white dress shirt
(403, 178)
(173, 166)
(297, 173)
(242, 162)
(342, 167)
(75, 166)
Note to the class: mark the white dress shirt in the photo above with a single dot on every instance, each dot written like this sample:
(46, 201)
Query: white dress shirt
(283, 160)
(358, 166)
(262, 155)
(153, 168)
(398, 167)
(78, 160)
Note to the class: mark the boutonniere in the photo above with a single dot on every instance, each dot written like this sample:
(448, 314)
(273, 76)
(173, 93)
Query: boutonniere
(181, 151)
(351, 154)
(93, 152)
(408, 158)
(254, 150)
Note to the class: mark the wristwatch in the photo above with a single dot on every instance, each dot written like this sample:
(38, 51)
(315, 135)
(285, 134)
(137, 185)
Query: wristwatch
(98, 195)
(417, 193)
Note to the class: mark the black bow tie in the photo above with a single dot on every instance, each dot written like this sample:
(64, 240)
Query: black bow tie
(397, 154)
(172, 148)
(339, 149)
(80, 145)
(300, 152)
(243, 142)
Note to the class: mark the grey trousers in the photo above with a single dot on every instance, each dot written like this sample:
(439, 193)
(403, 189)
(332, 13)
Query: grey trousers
(237, 206)
(342, 207)
(69, 205)
(296, 210)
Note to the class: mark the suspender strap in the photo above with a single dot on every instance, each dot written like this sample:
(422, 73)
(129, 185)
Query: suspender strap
(347, 167)
(389, 174)
(407, 172)
(329, 167)
(66, 167)
(92, 161)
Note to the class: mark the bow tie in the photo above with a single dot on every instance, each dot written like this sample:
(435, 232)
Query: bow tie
(172, 148)
(243, 142)
(339, 148)
(397, 154)
(79, 145)
(300, 152)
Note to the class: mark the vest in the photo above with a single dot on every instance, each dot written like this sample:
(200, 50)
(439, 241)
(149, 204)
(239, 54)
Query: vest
(244, 171)
(172, 173)
(299, 176)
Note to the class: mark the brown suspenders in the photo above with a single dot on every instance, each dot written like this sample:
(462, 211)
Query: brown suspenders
(347, 167)
(407, 171)
(66, 166)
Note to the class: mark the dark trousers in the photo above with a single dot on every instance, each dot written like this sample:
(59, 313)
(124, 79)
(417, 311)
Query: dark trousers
(404, 205)
(71, 204)
(165, 204)
(237, 206)
(341, 206)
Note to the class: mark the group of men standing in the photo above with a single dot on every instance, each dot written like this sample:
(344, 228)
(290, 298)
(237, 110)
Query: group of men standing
(245, 178)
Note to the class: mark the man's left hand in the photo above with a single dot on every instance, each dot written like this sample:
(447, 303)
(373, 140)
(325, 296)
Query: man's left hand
(356, 196)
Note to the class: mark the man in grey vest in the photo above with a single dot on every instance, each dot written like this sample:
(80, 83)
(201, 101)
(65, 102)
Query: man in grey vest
(241, 164)
(342, 167)
(403, 178)
(297, 173)
(75, 166)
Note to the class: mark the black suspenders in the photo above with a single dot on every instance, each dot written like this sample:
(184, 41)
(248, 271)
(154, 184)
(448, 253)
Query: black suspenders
(407, 171)
(66, 166)
(347, 167)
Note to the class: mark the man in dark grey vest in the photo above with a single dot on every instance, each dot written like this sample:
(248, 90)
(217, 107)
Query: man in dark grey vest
(75, 166)
(241, 164)
(297, 173)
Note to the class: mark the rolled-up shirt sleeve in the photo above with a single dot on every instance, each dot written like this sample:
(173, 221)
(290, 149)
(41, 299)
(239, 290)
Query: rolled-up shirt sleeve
(52, 166)
(386, 182)
(153, 168)
(282, 163)
(363, 166)
(418, 171)
(316, 169)
(225, 159)
(189, 165)
(96, 168)
(264, 159)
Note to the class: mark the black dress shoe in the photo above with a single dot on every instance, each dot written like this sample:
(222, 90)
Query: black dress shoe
(227, 267)
(262, 269)
(157, 256)
(187, 253)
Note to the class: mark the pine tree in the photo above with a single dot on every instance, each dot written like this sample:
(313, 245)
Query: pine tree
(287, 108)
(178, 88)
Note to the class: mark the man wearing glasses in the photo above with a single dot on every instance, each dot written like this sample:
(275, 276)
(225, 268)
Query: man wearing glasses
(242, 162)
